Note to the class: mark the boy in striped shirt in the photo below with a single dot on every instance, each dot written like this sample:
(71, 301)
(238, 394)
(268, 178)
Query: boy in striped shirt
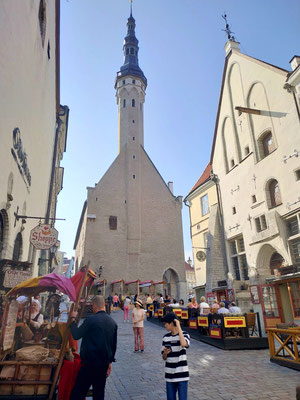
(174, 346)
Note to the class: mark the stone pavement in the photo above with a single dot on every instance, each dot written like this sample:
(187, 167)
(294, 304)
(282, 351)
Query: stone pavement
(214, 373)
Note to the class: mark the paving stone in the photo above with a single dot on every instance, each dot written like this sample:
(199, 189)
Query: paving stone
(237, 375)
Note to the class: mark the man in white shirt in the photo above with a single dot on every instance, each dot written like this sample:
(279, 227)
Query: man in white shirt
(223, 309)
(234, 309)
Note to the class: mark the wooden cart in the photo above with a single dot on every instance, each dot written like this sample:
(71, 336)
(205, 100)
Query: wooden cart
(31, 379)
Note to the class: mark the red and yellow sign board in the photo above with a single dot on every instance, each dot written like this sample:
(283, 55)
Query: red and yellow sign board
(193, 323)
(156, 314)
(161, 312)
(202, 321)
(234, 322)
(177, 311)
(184, 314)
(151, 308)
(215, 333)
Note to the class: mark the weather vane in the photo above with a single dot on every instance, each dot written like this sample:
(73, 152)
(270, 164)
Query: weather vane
(227, 28)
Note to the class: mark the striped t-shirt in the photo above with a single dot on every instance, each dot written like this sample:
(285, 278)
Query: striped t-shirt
(176, 367)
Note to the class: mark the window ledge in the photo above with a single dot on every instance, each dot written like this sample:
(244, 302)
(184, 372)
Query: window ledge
(257, 204)
(249, 154)
(263, 158)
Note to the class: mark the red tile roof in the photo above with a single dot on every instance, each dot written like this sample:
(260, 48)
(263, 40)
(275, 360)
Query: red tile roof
(188, 267)
(203, 178)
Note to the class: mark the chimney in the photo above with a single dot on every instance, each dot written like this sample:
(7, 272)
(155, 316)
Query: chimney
(295, 61)
(170, 185)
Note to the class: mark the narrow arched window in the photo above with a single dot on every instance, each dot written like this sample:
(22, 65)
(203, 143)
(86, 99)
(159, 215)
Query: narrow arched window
(17, 247)
(266, 144)
(132, 51)
(274, 195)
(124, 103)
(127, 52)
(133, 103)
(42, 20)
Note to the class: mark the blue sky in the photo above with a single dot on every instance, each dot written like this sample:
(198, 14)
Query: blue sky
(182, 55)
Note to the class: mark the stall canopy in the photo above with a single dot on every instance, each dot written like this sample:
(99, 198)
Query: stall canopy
(145, 283)
(129, 282)
(119, 281)
(45, 283)
(77, 279)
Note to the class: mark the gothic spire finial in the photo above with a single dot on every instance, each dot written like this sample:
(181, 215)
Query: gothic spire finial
(131, 8)
(227, 29)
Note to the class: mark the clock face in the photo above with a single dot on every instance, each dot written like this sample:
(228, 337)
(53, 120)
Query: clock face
(201, 256)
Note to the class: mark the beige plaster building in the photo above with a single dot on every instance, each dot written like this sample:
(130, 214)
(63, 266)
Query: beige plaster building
(33, 127)
(256, 165)
(206, 233)
(131, 221)
(190, 277)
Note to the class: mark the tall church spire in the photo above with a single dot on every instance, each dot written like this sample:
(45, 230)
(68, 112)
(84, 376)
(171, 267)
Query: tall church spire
(130, 88)
(131, 50)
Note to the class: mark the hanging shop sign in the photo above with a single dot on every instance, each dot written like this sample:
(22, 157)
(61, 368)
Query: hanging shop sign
(43, 236)
(254, 294)
(13, 277)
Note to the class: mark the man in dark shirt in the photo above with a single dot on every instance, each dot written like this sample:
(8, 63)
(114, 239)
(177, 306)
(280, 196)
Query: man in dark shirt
(98, 348)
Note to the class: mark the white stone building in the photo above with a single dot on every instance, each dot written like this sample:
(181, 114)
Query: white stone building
(256, 165)
(33, 127)
(131, 221)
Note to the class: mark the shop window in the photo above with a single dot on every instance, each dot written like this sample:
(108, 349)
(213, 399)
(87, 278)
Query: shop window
(18, 247)
(204, 205)
(239, 259)
(295, 295)
(273, 194)
(113, 223)
(260, 223)
(292, 226)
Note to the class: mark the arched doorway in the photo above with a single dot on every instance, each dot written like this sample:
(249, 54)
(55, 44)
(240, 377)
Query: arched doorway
(276, 262)
(171, 283)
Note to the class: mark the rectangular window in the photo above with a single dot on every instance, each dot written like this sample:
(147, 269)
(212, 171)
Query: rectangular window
(297, 173)
(239, 259)
(113, 223)
(295, 294)
(293, 226)
(204, 205)
(295, 250)
(233, 210)
(247, 150)
(232, 163)
(253, 198)
(260, 223)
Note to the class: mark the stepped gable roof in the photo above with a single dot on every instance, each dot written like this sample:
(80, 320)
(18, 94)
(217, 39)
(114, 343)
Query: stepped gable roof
(203, 178)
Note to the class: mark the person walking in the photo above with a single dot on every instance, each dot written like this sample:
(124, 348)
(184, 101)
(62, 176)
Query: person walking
(115, 302)
(98, 348)
(109, 300)
(174, 346)
(138, 316)
(126, 306)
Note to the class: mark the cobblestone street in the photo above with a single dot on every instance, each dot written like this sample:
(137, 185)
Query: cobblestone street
(214, 374)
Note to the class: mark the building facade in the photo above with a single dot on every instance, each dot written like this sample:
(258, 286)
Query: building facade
(190, 278)
(33, 128)
(255, 161)
(131, 221)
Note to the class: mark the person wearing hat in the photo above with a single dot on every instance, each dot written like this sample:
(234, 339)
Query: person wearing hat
(174, 346)
(138, 316)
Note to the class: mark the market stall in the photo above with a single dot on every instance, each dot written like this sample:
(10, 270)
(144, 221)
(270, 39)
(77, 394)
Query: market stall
(226, 331)
(31, 354)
